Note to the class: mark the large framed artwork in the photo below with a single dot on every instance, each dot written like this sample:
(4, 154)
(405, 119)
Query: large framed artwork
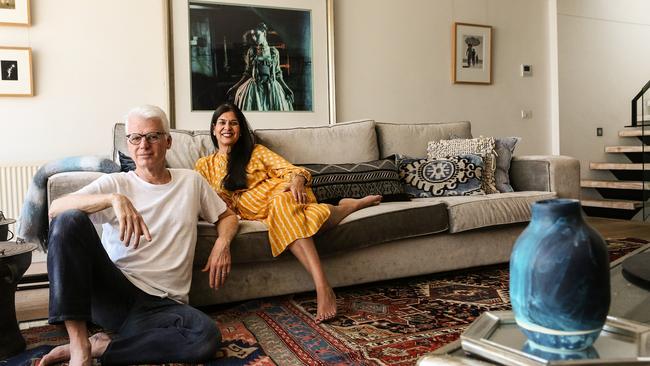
(16, 72)
(14, 12)
(273, 58)
(472, 54)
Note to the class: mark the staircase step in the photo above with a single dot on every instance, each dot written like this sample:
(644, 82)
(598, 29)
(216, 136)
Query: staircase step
(627, 149)
(614, 184)
(634, 132)
(616, 204)
(619, 166)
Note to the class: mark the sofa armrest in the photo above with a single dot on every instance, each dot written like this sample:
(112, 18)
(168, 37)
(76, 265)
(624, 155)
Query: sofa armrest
(61, 184)
(559, 174)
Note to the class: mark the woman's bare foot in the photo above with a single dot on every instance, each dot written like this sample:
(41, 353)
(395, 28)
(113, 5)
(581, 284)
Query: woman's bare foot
(80, 355)
(326, 305)
(359, 203)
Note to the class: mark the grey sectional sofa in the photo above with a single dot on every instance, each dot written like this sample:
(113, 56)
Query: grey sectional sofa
(392, 240)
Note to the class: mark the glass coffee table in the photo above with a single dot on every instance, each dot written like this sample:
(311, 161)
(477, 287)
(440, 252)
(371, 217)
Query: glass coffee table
(629, 302)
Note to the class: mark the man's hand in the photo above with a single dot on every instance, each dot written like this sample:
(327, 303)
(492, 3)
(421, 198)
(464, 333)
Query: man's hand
(219, 263)
(131, 223)
(297, 188)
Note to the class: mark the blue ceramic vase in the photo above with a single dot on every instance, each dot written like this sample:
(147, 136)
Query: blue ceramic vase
(559, 277)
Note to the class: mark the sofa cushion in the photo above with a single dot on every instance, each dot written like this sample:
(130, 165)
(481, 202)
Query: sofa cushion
(412, 138)
(450, 176)
(187, 146)
(126, 163)
(480, 145)
(60, 184)
(467, 213)
(373, 225)
(504, 147)
(332, 182)
(337, 144)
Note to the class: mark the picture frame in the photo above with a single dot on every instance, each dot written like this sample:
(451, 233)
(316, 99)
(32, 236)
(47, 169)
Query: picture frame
(15, 12)
(208, 58)
(472, 54)
(16, 72)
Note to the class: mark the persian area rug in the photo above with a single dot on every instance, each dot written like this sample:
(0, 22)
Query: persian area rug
(386, 323)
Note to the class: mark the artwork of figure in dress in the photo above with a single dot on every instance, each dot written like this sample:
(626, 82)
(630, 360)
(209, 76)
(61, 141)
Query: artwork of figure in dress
(262, 87)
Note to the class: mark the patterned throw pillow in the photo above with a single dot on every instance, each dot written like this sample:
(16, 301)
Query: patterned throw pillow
(451, 176)
(483, 146)
(504, 147)
(332, 182)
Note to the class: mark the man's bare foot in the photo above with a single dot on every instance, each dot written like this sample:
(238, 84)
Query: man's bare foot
(326, 305)
(99, 342)
(57, 354)
(80, 354)
(359, 203)
(96, 346)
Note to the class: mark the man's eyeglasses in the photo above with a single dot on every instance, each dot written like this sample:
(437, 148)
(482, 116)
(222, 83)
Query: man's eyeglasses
(151, 137)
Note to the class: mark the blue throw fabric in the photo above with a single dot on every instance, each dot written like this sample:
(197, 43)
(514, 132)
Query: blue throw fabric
(33, 223)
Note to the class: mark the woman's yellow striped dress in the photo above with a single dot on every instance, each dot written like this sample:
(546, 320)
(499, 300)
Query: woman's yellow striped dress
(265, 199)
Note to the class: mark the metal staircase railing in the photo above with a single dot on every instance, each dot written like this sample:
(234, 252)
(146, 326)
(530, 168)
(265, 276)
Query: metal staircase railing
(635, 122)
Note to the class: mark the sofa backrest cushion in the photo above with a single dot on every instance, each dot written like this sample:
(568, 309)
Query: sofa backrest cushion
(411, 139)
(187, 146)
(349, 142)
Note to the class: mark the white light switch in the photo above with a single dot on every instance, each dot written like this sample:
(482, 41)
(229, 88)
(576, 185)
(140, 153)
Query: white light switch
(526, 70)
(526, 114)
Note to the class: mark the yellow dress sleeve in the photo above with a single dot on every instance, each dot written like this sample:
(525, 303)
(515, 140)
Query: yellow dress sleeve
(201, 167)
(279, 167)
(212, 171)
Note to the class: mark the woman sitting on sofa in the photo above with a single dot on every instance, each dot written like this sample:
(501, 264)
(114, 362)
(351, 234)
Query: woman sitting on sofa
(259, 184)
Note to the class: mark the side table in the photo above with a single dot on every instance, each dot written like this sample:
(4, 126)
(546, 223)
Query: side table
(15, 258)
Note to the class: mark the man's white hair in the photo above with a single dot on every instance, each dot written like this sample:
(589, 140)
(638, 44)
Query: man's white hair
(147, 112)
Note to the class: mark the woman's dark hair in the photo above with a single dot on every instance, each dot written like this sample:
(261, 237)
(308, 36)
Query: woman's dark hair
(241, 152)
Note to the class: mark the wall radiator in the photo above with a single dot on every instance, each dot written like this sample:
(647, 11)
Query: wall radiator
(14, 181)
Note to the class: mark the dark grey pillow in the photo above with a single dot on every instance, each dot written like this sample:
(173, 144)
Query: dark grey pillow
(504, 147)
(333, 182)
(126, 163)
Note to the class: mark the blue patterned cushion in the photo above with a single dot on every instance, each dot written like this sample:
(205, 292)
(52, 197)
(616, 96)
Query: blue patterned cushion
(451, 176)
(332, 182)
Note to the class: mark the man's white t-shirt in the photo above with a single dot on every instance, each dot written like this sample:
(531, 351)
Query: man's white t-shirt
(162, 267)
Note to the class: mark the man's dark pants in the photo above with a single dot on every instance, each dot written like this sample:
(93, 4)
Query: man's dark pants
(86, 285)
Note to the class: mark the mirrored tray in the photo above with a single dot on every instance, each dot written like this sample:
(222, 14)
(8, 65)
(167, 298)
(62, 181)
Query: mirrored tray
(495, 336)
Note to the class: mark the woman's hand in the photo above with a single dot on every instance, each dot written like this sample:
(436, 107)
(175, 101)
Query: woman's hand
(297, 188)
(219, 263)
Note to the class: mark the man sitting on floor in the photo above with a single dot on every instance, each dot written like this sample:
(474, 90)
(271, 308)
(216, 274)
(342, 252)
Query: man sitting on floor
(136, 288)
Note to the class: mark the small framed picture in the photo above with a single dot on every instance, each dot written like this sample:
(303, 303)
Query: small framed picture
(14, 12)
(16, 72)
(472, 54)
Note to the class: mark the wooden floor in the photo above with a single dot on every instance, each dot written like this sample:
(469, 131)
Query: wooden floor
(32, 304)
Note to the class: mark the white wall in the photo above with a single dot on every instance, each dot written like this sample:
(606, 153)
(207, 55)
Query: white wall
(604, 60)
(92, 61)
(393, 63)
